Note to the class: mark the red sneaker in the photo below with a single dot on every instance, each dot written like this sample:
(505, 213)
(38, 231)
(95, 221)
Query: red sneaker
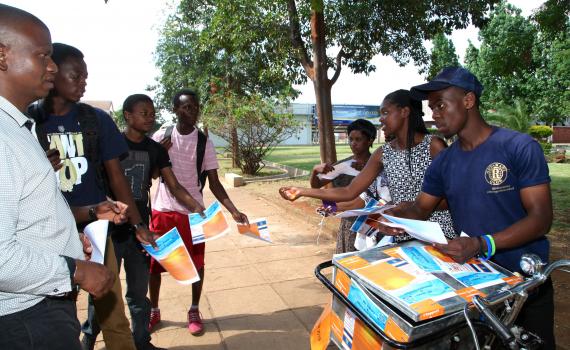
(154, 319)
(195, 325)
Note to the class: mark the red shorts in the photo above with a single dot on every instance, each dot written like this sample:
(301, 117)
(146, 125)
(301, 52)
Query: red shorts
(162, 222)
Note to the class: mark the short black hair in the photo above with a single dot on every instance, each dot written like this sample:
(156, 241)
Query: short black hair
(187, 92)
(62, 52)
(364, 126)
(132, 100)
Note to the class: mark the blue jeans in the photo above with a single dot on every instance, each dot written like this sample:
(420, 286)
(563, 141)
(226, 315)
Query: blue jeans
(49, 325)
(136, 263)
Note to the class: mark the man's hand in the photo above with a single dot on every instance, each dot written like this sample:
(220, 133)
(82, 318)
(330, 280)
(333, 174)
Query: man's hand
(146, 237)
(460, 249)
(96, 279)
(240, 218)
(377, 221)
(87, 248)
(166, 143)
(115, 212)
(290, 193)
(53, 157)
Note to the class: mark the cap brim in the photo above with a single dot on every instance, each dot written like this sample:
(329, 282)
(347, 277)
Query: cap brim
(420, 92)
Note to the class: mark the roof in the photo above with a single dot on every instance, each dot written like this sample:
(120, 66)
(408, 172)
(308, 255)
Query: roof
(107, 106)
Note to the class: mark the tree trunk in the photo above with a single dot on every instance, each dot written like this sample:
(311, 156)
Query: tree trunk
(235, 148)
(321, 84)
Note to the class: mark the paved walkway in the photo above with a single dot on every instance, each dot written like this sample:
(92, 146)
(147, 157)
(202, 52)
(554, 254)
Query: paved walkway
(256, 295)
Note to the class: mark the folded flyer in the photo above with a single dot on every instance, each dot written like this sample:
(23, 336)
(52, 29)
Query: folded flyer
(96, 232)
(367, 210)
(213, 226)
(340, 168)
(426, 231)
(173, 256)
(256, 229)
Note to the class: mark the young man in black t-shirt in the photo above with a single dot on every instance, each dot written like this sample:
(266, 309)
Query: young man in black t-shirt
(147, 159)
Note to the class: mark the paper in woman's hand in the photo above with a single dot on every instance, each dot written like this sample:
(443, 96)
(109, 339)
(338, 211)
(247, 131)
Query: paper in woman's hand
(340, 168)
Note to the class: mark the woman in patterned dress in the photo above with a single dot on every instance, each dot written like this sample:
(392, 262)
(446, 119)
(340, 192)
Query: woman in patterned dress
(404, 159)
(361, 136)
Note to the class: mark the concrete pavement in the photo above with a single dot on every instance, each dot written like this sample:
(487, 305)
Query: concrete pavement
(256, 295)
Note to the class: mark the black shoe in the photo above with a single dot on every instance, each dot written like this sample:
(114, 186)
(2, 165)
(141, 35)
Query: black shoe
(87, 342)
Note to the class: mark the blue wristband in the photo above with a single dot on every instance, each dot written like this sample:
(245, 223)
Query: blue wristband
(489, 253)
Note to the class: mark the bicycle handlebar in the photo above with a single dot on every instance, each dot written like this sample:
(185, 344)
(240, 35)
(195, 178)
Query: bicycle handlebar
(529, 263)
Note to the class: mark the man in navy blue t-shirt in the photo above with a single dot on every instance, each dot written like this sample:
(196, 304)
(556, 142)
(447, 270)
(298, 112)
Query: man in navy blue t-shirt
(497, 187)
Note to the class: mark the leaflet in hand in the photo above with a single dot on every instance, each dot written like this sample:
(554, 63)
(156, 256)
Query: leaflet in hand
(213, 226)
(173, 256)
(96, 232)
(426, 231)
(340, 168)
(256, 229)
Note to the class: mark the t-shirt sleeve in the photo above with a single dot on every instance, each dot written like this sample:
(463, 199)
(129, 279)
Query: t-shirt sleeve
(210, 160)
(433, 181)
(162, 159)
(529, 164)
(113, 144)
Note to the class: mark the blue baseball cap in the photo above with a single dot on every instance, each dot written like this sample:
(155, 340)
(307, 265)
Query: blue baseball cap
(449, 76)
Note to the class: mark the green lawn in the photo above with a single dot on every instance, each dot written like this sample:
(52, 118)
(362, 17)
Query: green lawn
(560, 174)
(303, 157)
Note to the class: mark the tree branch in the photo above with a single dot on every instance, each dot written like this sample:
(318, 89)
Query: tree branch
(297, 41)
(339, 57)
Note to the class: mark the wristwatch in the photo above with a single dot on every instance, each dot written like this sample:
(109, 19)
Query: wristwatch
(92, 214)
(139, 225)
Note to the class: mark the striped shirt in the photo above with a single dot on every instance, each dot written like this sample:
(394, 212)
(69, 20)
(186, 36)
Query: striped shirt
(37, 225)
(183, 158)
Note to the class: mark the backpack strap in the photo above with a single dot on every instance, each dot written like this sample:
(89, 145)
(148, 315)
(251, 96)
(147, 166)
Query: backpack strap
(90, 128)
(200, 152)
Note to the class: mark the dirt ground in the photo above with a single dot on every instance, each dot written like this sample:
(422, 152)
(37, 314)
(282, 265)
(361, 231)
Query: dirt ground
(559, 242)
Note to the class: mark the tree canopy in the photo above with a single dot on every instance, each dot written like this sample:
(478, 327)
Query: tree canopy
(442, 55)
(517, 61)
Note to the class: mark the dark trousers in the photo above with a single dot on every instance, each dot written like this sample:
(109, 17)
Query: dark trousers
(136, 263)
(537, 314)
(51, 325)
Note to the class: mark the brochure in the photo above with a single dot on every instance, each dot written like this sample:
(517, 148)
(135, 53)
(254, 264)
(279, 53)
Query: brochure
(213, 226)
(256, 229)
(426, 231)
(96, 232)
(340, 168)
(174, 257)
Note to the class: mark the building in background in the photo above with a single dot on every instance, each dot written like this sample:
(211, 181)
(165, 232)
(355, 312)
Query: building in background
(343, 115)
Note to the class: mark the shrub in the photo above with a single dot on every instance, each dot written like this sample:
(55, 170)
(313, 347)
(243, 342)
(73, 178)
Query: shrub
(540, 132)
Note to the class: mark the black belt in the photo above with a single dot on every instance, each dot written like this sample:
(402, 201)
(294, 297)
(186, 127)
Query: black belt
(71, 295)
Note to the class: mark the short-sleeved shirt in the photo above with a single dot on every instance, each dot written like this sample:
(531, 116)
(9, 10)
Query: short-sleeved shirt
(78, 177)
(144, 159)
(183, 157)
(482, 187)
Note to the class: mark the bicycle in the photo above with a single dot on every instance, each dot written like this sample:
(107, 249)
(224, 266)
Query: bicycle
(487, 322)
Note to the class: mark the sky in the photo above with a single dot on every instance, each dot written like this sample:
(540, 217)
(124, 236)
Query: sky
(119, 38)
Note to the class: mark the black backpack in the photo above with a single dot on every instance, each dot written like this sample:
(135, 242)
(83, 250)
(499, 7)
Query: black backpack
(200, 151)
(90, 128)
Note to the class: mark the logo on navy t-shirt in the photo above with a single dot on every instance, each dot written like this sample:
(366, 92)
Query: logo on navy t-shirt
(496, 173)
(75, 165)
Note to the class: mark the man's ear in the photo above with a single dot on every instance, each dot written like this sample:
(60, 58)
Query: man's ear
(470, 100)
(3, 52)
